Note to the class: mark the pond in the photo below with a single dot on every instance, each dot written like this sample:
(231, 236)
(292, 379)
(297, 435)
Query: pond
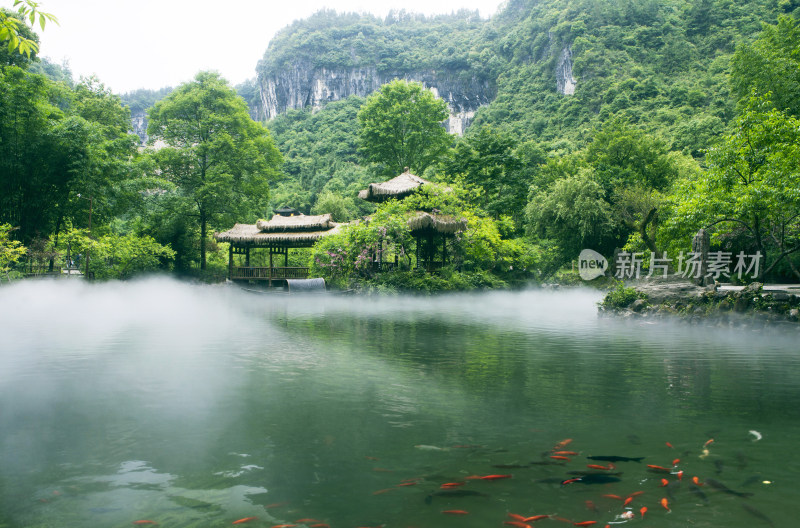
(187, 405)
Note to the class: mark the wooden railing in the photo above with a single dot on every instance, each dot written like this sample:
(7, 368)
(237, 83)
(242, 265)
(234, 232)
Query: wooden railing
(266, 273)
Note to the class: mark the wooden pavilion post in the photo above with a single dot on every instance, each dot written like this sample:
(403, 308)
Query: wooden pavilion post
(230, 260)
(270, 267)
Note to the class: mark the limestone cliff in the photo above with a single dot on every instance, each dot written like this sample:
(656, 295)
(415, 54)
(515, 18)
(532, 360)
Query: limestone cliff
(301, 85)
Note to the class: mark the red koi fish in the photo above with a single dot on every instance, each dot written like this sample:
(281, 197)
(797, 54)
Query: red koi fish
(571, 453)
(643, 511)
(585, 523)
(664, 483)
(697, 481)
(144, 521)
(518, 524)
(495, 477)
(473, 477)
(536, 518)
(636, 493)
(408, 484)
(676, 461)
(680, 475)
(456, 512)
(559, 457)
(382, 491)
(627, 501)
(517, 517)
(659, 469)
(708, 442)
(669, 445)
(245, 519)
(570, 481)
(447, 485)
(665, 504)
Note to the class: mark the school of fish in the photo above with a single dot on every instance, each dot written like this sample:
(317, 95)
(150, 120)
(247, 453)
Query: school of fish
(647, 490)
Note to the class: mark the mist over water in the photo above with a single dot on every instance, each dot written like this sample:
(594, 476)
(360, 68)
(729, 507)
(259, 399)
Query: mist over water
(195, 405)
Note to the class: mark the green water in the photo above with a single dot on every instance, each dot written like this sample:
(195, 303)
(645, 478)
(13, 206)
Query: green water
(198, 406)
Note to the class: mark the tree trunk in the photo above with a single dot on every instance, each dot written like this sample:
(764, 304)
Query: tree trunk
(203, 227)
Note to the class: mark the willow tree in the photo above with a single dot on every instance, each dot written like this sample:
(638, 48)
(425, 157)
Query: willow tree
(401, 126)
(217, 158)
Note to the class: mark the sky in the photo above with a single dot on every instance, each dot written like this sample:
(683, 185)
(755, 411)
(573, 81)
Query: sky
(131, 44)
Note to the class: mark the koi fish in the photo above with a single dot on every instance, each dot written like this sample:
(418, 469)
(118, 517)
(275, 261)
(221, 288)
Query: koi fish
(697, 481)
(658, 469)
(676, 461)
(407, 484)
(664, 482)
(636, 493)
(571, 453)
(643, 510)
(609, 467)
(277, 504)
(609, 496)
(144, 521)
(571, 480)
(456, 512)
(560, 457)
(536, 518)
(708, 442)
(665, 504)
(517, 517)
(283, 525)
(305, 520)
(614, 458)
(448, 485)
(495, 477)
(382, 491)
(244, 520)
(585, 523)
(627, 501)
(680, 475)
(700, 495)
(563, 443)
(518, 524)
(669, 445)
(756, 513)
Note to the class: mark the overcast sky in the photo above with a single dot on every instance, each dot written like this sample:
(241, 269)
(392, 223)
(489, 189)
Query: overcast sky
(154, 43)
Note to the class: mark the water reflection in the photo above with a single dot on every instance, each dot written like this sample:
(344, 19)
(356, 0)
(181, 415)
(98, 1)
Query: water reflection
(192, 405)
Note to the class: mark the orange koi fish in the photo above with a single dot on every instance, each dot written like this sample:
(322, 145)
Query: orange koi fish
(518, 524)
(598, 466)
(517, 517)
(676, 461)
(473, 477)
(665, 504)
(447, 485)
(613, 497)
(664, 483)
(636, 493)
(659, 469)
(382, 491)
(585, 523)
(495, 477)
(456, 512)
(643, 511)
(535, 518)
(627, 501)
(563, 443)
(669, 445)
(571, 453)
(145, 521)
(407, 484)
(708, 442)
(570, 481)
(680, 475)
(559, 457)
(246, 519)
(697, 481)
(283, 525)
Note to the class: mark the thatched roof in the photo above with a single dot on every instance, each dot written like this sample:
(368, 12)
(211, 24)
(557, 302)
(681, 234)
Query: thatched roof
(398, 187)
(251, 235)
(281, 224)
(442, 224)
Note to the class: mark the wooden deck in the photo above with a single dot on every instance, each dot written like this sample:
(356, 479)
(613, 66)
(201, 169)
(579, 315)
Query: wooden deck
(268, 274)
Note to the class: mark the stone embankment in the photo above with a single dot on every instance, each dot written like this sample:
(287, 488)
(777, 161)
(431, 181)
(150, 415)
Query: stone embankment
(754, 304)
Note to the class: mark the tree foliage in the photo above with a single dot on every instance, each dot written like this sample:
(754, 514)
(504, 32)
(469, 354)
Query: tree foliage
(401, 127)
(219, 160)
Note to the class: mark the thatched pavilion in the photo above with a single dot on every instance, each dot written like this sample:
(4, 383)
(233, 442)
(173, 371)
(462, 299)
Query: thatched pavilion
(430, 231)
(281, 233)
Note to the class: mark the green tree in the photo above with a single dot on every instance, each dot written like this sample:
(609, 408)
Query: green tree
(10, 250)
(771, 64)
(401, 126)
(751, 190)
(13, 26)
(219, 160)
